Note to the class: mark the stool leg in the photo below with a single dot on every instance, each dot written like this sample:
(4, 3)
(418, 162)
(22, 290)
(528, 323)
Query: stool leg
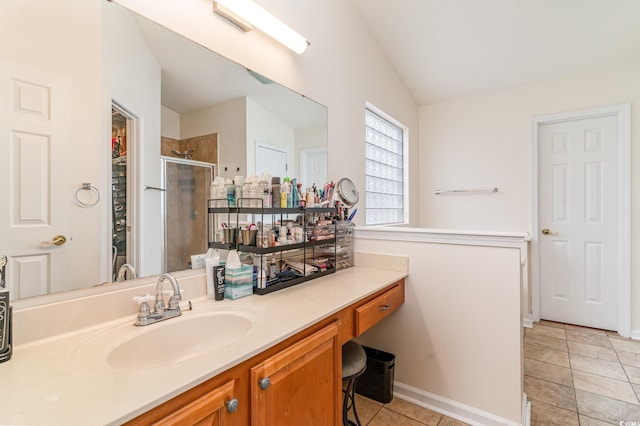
(353, 401)
(349, 402)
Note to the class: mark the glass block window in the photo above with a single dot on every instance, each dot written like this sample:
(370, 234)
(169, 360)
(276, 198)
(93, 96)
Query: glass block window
(384, 170)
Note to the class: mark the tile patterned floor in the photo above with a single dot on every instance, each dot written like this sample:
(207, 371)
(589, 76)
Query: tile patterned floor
(398, 412)
(581, 376)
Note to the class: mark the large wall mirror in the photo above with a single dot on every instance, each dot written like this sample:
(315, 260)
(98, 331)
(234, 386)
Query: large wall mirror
(112, 129)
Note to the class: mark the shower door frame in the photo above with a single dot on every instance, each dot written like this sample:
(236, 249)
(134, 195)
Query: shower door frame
(163, 202)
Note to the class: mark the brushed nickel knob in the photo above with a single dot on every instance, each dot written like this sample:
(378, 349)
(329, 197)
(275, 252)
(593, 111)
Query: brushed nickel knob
(265, 383)
(232, 405)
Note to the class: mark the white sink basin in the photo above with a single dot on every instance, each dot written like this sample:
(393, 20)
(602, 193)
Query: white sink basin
(191, 335)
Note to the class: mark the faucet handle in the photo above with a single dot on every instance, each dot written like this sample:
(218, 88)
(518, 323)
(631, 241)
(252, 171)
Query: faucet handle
(144, 310)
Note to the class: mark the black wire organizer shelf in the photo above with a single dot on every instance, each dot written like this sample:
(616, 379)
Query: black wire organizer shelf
(313, 257)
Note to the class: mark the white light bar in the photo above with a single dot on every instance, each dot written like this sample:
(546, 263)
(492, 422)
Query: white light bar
(246, 13)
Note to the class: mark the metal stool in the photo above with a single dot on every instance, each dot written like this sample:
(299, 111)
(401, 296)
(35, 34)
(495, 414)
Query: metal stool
(354, 362)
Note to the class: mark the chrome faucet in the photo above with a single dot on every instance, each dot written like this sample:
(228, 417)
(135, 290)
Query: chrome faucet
(122, 273)
(160, 312)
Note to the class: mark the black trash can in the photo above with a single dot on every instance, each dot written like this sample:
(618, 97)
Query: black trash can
(377, 380)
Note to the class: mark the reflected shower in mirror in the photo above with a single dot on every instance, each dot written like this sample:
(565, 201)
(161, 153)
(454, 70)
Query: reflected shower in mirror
(68, 64)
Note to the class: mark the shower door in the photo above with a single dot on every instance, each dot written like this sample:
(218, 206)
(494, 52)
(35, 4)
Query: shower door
(187, 186)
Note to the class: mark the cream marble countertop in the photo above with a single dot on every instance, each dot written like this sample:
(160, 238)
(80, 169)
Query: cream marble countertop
(66, 379)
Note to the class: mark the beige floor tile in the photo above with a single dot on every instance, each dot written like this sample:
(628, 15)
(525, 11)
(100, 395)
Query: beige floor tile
(545, 330)
(548, 372)
(633, 373)
(589, 338)
(546, 342)
(629, 358)
(585, 329)
(625, 345)
(606, 409)
(448, 421)
(600, 367)
(367, 409)
(588, 421)
(606, 354)
(551, 324)
(413, 411)
(636, 389)
(544, 414)
(550, 356)
(604, 386)
(387, 417)
(549, 393)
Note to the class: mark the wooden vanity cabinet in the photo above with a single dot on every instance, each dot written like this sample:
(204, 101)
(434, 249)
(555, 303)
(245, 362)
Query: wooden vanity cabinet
(304, 376)
(299, 384)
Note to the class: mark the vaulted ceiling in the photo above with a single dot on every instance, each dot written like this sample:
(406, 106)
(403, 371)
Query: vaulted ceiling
(444, 49)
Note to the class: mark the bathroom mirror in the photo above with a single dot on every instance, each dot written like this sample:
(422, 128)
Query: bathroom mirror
(69, 64)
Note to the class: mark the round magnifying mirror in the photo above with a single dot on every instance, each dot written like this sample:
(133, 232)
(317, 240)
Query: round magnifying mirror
(347, 192)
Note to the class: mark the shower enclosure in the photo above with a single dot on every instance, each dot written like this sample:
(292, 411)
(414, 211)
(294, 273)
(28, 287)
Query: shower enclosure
(187, 186)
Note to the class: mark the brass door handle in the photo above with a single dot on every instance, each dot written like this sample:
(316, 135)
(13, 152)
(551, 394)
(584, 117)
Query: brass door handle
(58, 240)
(547, 231)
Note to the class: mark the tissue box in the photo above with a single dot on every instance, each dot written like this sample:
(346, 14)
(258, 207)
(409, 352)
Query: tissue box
(238, 276)
(237, 291)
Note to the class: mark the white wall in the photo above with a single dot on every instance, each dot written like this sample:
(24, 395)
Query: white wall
(36, 43)
(170, 123)
(342, 69)
(228, 121)
(132, 79)
(264, 127)
(484, 141)
(457, 338)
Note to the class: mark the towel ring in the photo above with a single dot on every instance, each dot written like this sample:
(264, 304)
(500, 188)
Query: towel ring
(87, 186)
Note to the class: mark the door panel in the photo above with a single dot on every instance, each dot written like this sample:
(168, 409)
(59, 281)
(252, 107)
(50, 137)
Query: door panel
(578, 204)
(34, 113)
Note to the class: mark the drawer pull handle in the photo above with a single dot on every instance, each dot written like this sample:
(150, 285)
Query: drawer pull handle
(232, 405)
(265, 383)
(384, 307)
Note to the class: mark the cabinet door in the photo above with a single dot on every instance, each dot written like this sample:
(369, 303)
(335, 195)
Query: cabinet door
(301, 384)
(207, 410)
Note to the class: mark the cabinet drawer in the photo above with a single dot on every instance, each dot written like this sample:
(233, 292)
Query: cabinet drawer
(370, 313)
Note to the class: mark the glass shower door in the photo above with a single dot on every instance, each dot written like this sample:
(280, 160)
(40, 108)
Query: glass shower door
(187, 185)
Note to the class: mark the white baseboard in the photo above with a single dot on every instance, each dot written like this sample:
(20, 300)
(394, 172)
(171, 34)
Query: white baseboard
(526, 410)
(450, 408)
(635, 334)
(527, 322)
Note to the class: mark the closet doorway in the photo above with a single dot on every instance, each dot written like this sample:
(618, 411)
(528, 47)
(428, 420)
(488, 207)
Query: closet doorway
(122, 205)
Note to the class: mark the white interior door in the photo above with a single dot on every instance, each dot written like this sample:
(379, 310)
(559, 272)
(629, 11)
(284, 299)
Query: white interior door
(34, 108)
(313, 166)
(271, 159)
(578, 219)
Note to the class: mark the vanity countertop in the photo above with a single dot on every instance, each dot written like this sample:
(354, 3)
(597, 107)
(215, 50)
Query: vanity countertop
(66, 379)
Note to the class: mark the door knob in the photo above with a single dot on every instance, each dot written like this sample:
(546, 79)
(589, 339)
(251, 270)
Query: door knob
(58, 240)
(547, 231)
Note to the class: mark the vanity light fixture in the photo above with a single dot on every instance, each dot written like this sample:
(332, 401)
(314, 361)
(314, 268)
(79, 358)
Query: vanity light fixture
(246, 14)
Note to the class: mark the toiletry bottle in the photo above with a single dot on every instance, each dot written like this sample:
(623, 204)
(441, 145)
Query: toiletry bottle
(246, 192)
(265, 191)
(212, 260)
(256, 196)
(285, 188)
(231, 193)
(295, 198)
(238, 184)
(275, 191)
